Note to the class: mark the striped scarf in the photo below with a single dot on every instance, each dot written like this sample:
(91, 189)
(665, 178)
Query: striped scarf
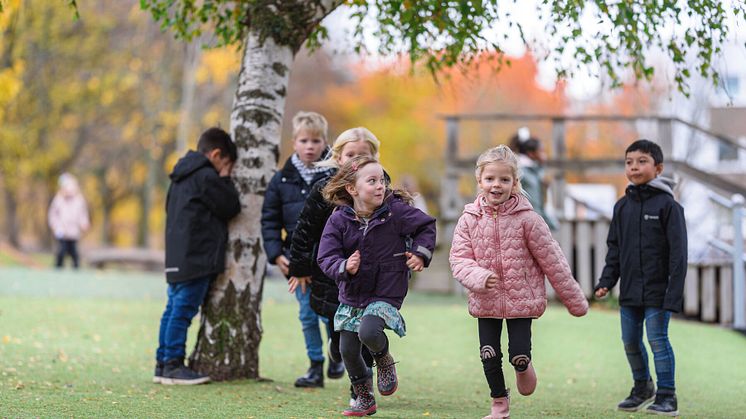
(307, 173)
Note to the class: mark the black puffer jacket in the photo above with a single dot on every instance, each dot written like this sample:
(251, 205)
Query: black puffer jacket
(198, 206)
(305, 244)
(283, 201)
(647, 248)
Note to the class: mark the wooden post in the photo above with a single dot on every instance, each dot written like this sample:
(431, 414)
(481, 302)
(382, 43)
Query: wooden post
(709, 297)
(726, 295)
(665, 137)
(450, 201)
(583, 251)
(559, 153)
(691, 291)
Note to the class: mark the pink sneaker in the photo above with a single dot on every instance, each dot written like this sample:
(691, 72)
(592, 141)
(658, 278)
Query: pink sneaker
(500, 408)
(526, 380)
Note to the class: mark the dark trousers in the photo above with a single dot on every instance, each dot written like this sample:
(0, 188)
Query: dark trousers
(371, 335)
(184, 300)
(655, 321)
(68, 247)
(519, 350)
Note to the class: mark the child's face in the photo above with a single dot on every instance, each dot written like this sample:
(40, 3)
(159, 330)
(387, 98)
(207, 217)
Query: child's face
(369, 188)
(354, 149)
(308, 146)
(497, 182)
(218, 160)
(640, 168)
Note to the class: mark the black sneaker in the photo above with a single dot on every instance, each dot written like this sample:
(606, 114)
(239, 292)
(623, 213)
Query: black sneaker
(642, 393)
(314, 377)
(665, 405)
(176, 373)
(158, 375)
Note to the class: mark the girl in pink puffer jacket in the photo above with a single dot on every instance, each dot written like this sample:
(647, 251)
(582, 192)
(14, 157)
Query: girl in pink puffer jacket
(501, 252)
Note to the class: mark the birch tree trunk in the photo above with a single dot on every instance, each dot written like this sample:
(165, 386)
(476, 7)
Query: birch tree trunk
(231, 329)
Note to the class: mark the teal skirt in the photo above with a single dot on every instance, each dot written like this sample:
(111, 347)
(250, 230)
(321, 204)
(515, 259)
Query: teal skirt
(348, 317)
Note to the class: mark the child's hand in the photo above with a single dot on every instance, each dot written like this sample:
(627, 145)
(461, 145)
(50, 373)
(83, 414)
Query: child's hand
(414, 262)
(491, 282)
(601, 292)
(283, 263)
(226, 170)
(353, 263)
(295, 281)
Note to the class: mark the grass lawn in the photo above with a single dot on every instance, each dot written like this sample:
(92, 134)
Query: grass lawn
(82, 343)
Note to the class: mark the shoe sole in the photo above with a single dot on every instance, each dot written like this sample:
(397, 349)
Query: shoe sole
(636, 409)
(179, 382)
(336, 376)
(370, 411)
(157, 380)
(671, 414)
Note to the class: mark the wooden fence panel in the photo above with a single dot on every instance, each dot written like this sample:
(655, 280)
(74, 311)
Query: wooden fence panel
(583, 252)
(726, 295)
(691, 291)
(709, 295)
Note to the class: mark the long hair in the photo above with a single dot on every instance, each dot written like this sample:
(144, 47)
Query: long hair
(335, 190)
(349, 136)
(500, 154)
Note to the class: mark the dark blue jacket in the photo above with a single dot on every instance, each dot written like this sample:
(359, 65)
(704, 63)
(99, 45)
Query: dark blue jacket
(198, 206)
(383, 275)
(283, 201)
(647, 248)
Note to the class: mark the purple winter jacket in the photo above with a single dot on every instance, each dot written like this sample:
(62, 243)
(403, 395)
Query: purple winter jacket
(383, 275)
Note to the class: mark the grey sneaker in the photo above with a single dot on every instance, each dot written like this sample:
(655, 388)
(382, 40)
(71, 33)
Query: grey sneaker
(642, 393)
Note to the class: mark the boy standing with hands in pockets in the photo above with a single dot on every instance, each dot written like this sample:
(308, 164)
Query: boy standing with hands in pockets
(648, 251)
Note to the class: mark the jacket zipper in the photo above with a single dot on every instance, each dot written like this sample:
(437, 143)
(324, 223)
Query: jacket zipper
(528, 284)
(501, 295)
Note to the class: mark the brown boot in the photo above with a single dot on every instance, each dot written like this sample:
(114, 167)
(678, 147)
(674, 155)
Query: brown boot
(500, 408)
(526, 380)
(365, 403)
(387, 380)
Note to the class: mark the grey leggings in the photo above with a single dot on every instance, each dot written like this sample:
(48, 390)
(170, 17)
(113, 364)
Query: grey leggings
(371, 335)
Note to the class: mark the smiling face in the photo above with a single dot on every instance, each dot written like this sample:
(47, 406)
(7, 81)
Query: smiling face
(354, 149)
(308, 145)
(497, 182)
(640, 168)
(369, 188)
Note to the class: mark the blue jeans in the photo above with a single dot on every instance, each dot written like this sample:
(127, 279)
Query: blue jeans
(656, 322)
(309, 322)
(184, 300)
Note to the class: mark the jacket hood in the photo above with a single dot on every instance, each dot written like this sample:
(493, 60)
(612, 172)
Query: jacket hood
(189, 164)
(662, 184)
(514, 204)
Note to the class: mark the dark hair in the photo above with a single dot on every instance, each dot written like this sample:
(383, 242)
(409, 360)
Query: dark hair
(523, 146)
(647, 147)
(214, 138)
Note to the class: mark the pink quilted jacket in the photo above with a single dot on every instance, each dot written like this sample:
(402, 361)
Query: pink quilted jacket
(512, 242)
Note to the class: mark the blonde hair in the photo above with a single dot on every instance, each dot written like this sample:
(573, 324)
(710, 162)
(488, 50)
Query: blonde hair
(504, 155)
(350, 136)
(313, 122)
(335, 190)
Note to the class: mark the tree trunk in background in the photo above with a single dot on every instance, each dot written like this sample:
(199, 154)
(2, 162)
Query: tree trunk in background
(11, 219)
(192, 57)
(231, 326)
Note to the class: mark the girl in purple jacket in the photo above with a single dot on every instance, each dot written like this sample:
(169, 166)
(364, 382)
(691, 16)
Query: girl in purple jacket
(369, 245)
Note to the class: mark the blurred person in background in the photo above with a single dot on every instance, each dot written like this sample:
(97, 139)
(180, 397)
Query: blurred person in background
(68, 218)
(531, 158)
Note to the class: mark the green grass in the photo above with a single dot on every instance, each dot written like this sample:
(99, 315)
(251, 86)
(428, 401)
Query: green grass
(81, 344)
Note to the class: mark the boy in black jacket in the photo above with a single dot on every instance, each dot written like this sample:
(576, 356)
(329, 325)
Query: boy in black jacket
(283, 201)
(648, 250)
(200, 201)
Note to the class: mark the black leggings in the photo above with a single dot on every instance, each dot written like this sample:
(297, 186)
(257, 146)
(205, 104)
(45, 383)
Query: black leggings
(519, 350)
(371, 335)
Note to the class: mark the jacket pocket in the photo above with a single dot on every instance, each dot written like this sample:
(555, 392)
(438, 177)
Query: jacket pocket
(528, 285)
(393, 280)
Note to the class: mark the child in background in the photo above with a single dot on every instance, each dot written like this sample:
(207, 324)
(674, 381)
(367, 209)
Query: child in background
(304, 270)
(368, 246)
(68, 219)
(283, 201)
(200, 202)
(648, 250)
(531, 157)
(501, 252)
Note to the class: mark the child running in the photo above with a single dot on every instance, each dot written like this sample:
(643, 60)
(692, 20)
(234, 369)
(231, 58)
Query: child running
(304, 270)
(501, 252)
(368, 247)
